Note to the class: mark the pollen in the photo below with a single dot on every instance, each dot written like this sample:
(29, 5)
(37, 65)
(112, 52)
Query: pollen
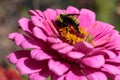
(71, 36)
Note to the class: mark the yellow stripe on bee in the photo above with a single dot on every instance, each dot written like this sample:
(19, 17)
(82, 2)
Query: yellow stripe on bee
(74, 19)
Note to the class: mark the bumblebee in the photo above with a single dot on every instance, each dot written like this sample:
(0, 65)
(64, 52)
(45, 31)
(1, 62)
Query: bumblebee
(66, 20)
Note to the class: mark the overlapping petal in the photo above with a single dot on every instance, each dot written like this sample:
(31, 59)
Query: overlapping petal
(94, 61)
(15, 56)
(30, 66)
(57, 67)
(112, 69)
(87, 18)
(75, 55)
(42, 75)
(97, 76)
(38, 54)
(83, 47)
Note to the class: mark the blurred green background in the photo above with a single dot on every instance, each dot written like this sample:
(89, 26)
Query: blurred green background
(12, 10)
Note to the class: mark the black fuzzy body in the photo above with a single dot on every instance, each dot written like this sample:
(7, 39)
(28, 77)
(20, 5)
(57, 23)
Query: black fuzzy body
(68, 20)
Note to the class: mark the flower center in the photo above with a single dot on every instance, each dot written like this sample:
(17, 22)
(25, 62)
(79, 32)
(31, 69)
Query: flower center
(69, 29)
(71, 36)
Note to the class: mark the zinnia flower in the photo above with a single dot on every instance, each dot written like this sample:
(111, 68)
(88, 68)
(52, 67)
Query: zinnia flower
(66, 45)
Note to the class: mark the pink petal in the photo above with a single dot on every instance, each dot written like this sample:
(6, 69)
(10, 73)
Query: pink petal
(53, 40)
(107, 53)
(25, 24)
(75, 76)
(110, 54)
(111, 69)
(114, 43)
(37, 21)
(59, 46)
(18, 39)
(103, 28)
(59, 68)
(42, 75)
(34, 13)
(115, 59)
(50, 14)
(65, 49)
(39, 55)
(55, 77)
(36, 76)
(47, 26)
(39, 33)
(61, 78)
(59, 11)
(15, 56)
(24, 41)
(102, 40)
(83, 47)
(97, 76)
(75, 55)
(95, 29)
(30, 66)
(86, 18)
(53, 29)
(117, 77)
(12, 35)
(72, 10)
(29, 44)
(94, 61)
(41, 23)
(40, 13)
